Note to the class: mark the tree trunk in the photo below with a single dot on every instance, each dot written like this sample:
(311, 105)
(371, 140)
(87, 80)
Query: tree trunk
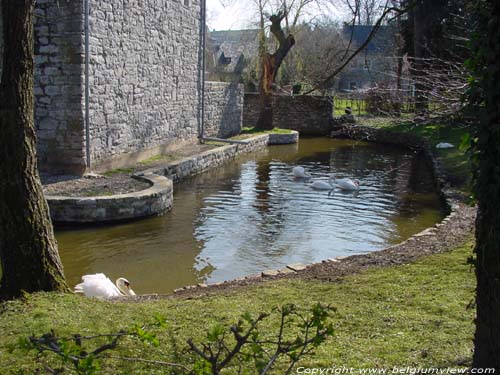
(270, 66)
(28, 249)
(420, 53)
(487, 187)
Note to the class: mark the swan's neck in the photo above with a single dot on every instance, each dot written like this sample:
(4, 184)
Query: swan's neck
(124, 291)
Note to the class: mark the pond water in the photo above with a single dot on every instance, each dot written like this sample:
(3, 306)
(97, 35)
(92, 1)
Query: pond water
(251, 215)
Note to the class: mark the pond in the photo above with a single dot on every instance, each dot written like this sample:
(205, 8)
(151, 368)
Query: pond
(252, 215)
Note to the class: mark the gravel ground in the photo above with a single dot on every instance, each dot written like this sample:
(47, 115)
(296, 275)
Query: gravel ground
(97, 185)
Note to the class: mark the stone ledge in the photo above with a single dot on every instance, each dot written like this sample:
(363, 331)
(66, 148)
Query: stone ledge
(102, 209)
(179, 170)
(159, 197)
(283, 139)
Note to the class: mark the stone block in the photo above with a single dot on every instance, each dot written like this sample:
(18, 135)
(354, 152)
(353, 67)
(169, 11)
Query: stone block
(296, 267)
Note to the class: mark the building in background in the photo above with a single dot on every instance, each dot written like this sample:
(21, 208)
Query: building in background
(375, 66)
(230, 52)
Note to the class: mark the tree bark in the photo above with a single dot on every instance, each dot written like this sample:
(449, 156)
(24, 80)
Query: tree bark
(420, 53)
(487, 187)
(270, 66)
(28, 249)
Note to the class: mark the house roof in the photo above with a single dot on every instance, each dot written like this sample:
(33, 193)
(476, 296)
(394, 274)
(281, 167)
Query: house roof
(381, 42)
(235, 44)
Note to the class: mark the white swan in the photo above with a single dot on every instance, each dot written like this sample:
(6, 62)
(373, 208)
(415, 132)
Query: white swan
(300, 172)
(346, 183)
(343, 183)
(99, 285)
(323, 185)
(444, 145)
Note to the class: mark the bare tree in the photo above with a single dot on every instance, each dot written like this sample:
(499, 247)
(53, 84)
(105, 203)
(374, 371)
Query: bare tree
(270, 66)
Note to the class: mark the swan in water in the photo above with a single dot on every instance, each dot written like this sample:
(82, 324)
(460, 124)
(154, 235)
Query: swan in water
(99, 285)
(300, 172)
(343, 183)
(323, 185)
(346, 183)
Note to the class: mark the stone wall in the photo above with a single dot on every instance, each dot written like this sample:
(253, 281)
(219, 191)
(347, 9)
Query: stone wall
(155, 200)
(306, 114)
(143, 76)
(58, 83)
(223, 109)
(57, 86)
(144, 83)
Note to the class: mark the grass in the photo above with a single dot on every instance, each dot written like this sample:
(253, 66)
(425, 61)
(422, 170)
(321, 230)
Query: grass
(410, 315)
(455, 160)
(119, 171)
(157, 158)
(358, 107)
(247, 132)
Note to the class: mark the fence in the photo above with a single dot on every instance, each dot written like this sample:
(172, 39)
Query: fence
(359, 106)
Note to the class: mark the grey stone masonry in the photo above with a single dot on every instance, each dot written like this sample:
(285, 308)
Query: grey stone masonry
(144, 82)
(306, 114)
(223, 109)
(58, 85)
(153, 201)
(144, 75)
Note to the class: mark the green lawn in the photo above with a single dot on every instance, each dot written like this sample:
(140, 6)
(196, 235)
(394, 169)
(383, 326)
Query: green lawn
(410, 315)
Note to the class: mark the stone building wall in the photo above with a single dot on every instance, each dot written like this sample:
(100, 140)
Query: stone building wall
(306, 114)
(58, 85)
(144, 82)
(144, 77)
(58, 77)
(223, 109)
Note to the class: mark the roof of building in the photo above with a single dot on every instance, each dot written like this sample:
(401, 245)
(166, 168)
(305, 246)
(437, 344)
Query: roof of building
(234, 45)
(381, 42)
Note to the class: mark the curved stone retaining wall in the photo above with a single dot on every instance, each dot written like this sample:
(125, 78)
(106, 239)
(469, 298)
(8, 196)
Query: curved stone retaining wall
(152, 201)
(201, 162)
(159, 197)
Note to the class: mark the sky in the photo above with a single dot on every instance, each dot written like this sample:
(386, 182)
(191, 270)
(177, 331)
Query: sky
(232, 17)
(239, 15)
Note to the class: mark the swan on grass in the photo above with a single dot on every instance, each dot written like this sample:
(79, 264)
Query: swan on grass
(300, 172)
(99, 285)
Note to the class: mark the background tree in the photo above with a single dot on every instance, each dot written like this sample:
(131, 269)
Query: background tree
(484, 102)
(271, 63)
(28, 249)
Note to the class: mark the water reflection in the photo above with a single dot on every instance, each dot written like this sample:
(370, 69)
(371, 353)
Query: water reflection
(252, 215)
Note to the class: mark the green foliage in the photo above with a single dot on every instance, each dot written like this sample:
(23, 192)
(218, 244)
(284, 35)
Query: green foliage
(223, 348)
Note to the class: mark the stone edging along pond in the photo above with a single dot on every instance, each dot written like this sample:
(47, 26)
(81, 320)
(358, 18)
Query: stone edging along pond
(452, 231)
(158, 198)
